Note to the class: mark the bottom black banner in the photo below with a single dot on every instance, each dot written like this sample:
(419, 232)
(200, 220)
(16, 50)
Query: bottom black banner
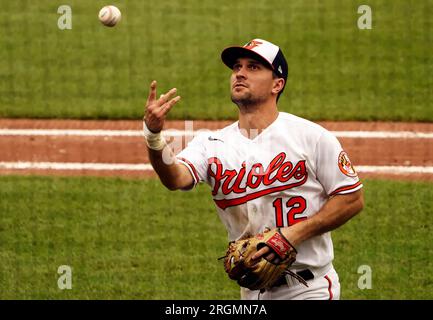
(209, 309)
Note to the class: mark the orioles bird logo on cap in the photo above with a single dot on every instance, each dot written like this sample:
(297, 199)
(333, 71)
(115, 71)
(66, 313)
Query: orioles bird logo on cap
(252, 44)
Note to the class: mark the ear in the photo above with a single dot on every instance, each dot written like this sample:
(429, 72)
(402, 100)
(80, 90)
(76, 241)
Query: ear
(278, 85)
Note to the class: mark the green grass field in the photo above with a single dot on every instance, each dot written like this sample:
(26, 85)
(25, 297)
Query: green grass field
(131, 239)
(337, 71)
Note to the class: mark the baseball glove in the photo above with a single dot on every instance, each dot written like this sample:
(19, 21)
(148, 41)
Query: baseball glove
(260, 273)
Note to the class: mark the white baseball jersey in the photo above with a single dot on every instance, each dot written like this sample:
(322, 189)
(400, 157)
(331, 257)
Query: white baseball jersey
(282, 176)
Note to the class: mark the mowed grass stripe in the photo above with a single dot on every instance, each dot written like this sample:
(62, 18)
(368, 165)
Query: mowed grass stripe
(336, 71)
(132, 239)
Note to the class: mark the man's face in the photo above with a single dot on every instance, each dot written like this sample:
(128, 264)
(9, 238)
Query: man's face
(251, 82)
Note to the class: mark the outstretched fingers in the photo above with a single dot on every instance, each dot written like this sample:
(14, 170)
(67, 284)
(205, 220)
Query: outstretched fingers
(164, 98)
(152, 92)
(167, 106)
(156, 109)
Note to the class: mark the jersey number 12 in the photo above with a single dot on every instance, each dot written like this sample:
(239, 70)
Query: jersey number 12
(297, 206)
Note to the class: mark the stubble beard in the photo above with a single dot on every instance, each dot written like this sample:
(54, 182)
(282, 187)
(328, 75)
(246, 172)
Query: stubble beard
(247, 102)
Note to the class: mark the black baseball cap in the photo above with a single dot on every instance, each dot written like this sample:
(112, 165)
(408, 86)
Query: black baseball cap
(264, 51)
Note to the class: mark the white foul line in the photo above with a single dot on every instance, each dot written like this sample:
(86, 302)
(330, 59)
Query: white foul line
(395, 169)
(75, 166)
(190, 133)
(70, 132)
(148, 167)
(383, 134)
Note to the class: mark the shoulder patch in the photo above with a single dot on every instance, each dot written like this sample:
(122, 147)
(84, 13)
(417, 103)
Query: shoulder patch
(345, 165)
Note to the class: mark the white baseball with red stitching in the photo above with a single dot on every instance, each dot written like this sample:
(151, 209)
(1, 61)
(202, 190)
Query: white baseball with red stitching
(109, 16)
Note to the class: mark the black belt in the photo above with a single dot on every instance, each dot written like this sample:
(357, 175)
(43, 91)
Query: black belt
(305, 274)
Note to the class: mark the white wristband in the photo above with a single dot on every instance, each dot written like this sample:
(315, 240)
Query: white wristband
(154, 141)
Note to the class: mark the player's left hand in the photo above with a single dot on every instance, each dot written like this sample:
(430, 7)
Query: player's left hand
(267, 252)
(260, 273)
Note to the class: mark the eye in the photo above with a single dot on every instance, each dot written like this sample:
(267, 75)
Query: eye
(236, 66)
(254, 67)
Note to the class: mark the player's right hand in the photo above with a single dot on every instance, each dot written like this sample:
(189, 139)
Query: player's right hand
(156, 110)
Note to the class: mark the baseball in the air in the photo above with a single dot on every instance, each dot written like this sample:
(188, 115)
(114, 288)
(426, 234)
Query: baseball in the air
(110, 16)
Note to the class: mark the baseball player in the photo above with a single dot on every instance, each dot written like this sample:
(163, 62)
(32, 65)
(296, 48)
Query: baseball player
(267, 170)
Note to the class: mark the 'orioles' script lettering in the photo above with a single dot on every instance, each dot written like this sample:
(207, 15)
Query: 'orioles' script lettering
(278, 170)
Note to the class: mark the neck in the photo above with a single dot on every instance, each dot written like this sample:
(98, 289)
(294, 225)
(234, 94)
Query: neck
(253, 121)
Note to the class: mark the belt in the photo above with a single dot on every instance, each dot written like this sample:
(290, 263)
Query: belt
(305, 274)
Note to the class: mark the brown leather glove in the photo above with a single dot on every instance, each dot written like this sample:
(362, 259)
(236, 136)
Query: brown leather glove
(260, 273)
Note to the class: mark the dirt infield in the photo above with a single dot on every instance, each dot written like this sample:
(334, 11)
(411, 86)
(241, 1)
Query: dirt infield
(26, 142)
